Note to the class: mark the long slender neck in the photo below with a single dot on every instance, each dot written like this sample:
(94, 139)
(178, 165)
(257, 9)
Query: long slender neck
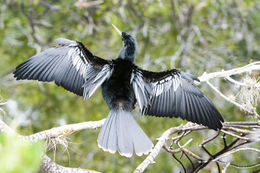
(128, 51)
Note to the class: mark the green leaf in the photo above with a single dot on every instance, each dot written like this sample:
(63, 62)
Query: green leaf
(18, 155)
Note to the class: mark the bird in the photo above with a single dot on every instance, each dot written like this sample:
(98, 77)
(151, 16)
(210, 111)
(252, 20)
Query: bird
(170, 93)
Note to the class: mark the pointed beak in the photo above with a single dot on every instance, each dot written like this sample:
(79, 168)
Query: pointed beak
(119, 32)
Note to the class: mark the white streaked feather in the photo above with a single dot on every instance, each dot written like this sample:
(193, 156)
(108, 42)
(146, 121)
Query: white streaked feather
(138, 97)
(157, 89)
(164, 85)
(83, 70)
(167, 83)
(103, 73)
(176, 82)
(70, 53)
(132, 77)
(82, 55)
(74, 54)
(76, 61)
(140, 90)
(90, 88)
(146, 92)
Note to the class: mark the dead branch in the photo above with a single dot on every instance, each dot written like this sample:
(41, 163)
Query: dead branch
(192, 127)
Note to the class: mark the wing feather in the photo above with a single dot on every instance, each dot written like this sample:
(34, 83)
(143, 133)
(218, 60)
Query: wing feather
(173, 93)
(70, 65)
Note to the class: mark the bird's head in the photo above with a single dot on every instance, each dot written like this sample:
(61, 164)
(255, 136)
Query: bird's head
(128, 39)
(128, 51)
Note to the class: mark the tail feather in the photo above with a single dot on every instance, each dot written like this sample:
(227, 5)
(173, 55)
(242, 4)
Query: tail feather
(103, 136)
(124, 139)
(111, 144)
(139, 139)
(121, 133)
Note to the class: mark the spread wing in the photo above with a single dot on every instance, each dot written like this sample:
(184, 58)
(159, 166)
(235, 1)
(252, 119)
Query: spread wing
(70, 65)
(173, 93)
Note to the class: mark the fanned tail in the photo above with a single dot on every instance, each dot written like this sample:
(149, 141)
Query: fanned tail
(121, 133)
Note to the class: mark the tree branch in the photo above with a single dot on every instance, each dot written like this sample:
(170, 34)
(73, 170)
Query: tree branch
(48, 165)
(191, 127)
(255, 66)
(64, 130)
(253, 112)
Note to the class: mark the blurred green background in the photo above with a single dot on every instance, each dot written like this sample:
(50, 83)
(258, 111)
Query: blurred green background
(192, 35)
(19, 156)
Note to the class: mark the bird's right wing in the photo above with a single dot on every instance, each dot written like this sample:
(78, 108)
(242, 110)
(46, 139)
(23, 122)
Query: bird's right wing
(173, 93)
(70, 64)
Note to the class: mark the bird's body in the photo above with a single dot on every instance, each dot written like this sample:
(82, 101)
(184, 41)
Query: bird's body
(163, 94)
(117, 91)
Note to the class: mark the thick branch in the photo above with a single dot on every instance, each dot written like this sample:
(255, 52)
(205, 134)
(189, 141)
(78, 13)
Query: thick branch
(50, 166)
(64, 130)
(226, 73)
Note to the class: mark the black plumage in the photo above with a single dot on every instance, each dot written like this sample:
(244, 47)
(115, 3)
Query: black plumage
(163, 94)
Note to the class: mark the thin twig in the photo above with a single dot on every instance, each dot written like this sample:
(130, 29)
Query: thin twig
(224, 150)
(230, 100)
(225, 168)
(209, 139)
(241, 166)
(186, 155)
(182, 165)
(238, 83)
(234, 135)
(236, 150)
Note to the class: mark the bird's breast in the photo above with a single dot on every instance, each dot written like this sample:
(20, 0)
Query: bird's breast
(117, 90)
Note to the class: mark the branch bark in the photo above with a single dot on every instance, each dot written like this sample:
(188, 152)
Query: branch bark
(64, 130)
(50, 166)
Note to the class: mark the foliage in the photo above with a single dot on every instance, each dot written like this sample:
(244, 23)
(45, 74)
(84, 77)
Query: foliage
(195, 36)
(19, 156)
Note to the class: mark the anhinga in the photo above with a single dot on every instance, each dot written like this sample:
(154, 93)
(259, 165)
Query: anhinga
(163, 94)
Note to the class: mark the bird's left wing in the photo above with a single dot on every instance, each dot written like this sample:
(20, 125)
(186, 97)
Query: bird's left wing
(70, 65)
(173, 93)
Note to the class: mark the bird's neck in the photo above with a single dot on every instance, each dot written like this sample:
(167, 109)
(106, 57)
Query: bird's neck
(128, 53)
